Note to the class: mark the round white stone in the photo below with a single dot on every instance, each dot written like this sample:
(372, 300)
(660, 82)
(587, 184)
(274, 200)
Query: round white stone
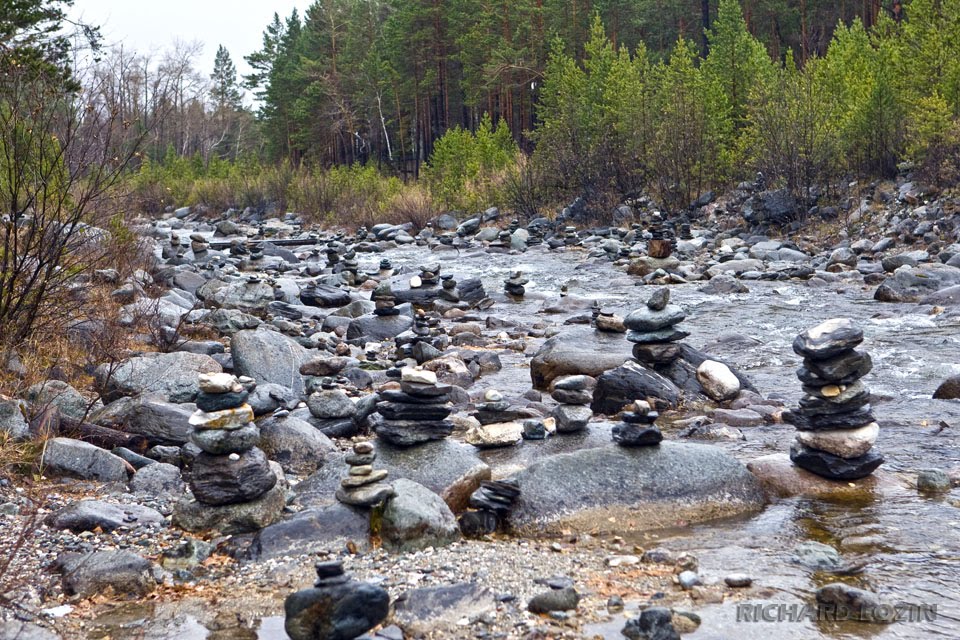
(717, 380)
(845, 443)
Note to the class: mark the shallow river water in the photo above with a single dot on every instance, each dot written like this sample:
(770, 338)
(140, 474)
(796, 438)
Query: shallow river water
(909, 545)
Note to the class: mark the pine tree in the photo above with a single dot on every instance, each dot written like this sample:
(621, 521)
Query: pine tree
(225, 92)
(737, 60)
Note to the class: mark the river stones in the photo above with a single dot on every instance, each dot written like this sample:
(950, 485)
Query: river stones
(835, 424)
(717, 380)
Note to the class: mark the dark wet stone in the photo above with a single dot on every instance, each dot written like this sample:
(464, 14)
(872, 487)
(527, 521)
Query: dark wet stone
(404, 411)
(655, 623)
(850, 365)
(218, 480)
(87, 515)
(338, 611)
(391, 395)
(949, 389)
(495, 496)
(628, 435)
(656, 337)
(421, 390)
(830, 338)
(813, 406)
(834, 467)
(848, 602)
(322, 295)
(534, 430)
(623, 385)
(821, 422)
(405, 433)
(476, 524)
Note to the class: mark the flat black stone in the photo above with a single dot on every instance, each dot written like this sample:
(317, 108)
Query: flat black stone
(399, 396)
(220, 401)
(834, 467)
(811, 379)
(627, 435)
(846, 366)
(823, 422)
(406, 433)
(496, 417)
(404, 411)
(656, 337)
(813, 406)
(425, 390)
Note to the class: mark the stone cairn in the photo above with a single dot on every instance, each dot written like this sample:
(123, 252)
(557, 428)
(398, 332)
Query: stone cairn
(608, 321)
(514, 285)
(430, 274)
(448, 291)
(661, 243)
(332, 408)
(835, 426)
(230, 469)
(637, 428)
(490, 505)
(652, 330)
(574, 393)
(384, 301)
(364, 486)
(198, 244)
(416, 413)
(336, 607)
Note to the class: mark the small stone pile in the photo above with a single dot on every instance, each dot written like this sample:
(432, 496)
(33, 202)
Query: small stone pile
(336, 607)
(637, 428)
(230, 469)
(608, 321)
(430, 274)
(198, 243)
(653, 330)
(384, 301)
(574, 393)
(449, 288)
(364, 486)
(416, 413)
(661, 242)
(491, 503)
(514, 285)
(835, 425)
(386, 268)
(332, 408)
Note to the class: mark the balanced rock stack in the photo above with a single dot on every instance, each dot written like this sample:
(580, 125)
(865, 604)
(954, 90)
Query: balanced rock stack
(416, 413)
(574, 393)
(652, 329)
(230, 469)
(198, 243)
(449, 290)
(430, 274)
(835, 426)
(637, 428)
(336, 607)
(384, 301)
(514, 285)
(491, 503)
(609, 321)
(364, 486)
(331, 407)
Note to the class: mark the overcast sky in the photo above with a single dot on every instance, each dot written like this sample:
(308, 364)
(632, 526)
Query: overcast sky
(146, 25)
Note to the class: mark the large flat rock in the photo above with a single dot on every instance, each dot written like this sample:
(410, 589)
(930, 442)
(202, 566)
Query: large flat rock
(616, 489)
(781, 478)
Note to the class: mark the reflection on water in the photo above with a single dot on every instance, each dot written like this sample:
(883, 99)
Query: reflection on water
(908, 545)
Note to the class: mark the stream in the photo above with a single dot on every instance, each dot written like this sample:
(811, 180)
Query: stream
(908, 543)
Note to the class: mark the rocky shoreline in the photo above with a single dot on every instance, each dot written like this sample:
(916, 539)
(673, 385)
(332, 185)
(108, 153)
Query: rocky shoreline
(320, 402)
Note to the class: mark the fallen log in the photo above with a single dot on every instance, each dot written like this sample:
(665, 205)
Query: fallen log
(50, 422)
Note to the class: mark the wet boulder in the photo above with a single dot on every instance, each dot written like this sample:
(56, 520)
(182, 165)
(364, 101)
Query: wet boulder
(173, 376)
(269, 357)
(634, 488)
(911, 284)
(568, 354)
